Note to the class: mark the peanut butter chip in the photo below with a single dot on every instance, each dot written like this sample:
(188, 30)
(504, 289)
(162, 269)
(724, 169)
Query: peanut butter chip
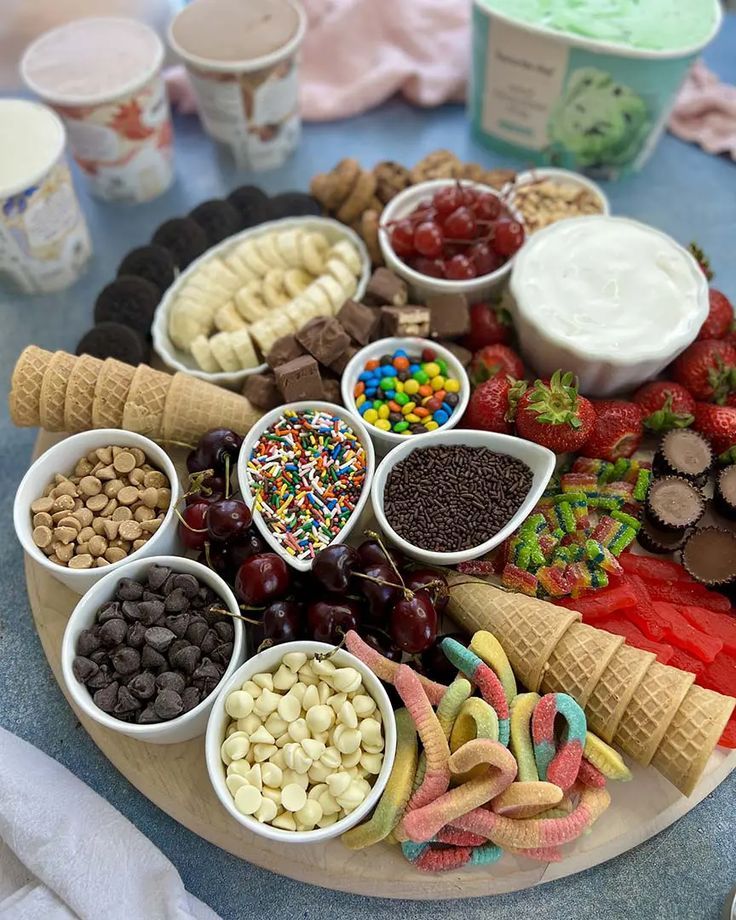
(42, 504)
(97, 545)
(42, 536)
(64, 553)
(112, 488)
(84, 561)
(128, 495)
(151, 526)
(155, 480)
(63, 503)
(85, 534)
(111, 529)
(109, 508)
(106, 473)
(104, 454)
(71, 521)
(65, 534)
(164, 498)
(141, 513)
(90, 485)
(124, 462)
(100, 562)
(65, 488)
(135, 477)
(137, 544)
(83, 467)
(122, 514)
(138, 455)
(149, 497)
(97, 502)
(114, 554)
(84, 516)
(129, 530)
(44, 519)
(98, 525)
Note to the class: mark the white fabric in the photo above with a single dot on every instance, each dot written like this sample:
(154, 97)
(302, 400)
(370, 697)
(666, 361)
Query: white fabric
(65, 853)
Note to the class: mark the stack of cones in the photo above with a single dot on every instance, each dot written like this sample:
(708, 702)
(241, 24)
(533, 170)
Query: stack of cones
(654, 713)
(61, 392)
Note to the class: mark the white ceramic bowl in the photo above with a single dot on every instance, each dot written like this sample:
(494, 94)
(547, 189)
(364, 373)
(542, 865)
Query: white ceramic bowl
(269, 660)
(184, 727)
(62, 458)
(423, 286)
(540, 460)
(564, 176)
(245, 485)
(178, 360)
(385, 440)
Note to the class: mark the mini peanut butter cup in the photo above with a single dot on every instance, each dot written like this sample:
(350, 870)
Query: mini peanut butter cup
(674, 504)
(709, 556)
(659, 541)
(683, 452)
(724, 495)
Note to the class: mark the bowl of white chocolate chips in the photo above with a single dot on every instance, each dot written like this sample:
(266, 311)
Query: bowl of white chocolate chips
(300, 742)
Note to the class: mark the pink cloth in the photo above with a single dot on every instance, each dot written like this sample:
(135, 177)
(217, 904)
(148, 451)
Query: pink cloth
(705, 112)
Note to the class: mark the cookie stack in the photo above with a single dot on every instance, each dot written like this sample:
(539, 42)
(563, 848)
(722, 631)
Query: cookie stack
(60, 392)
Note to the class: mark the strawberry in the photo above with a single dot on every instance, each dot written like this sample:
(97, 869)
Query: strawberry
(664, 405)
(488, 408)
(702, 259)
(617, 431)
(554, 415)
(718, 323)
(495, 361)
(707, 369)
(489, 325)
(718, 424)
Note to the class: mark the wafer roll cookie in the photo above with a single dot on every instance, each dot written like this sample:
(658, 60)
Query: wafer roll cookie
(111, 391)
(80, 393)
(527, 629)
(194, 406)
(53, 390)
(25, 386)
(144, 407)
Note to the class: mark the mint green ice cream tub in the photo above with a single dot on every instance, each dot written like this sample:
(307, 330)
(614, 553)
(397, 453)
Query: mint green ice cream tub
(583, 84)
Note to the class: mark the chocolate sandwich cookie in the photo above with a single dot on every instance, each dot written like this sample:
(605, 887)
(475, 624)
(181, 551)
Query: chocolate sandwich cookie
(709, 556)
(218, 218)
(674, 503)
(251, 203)
(684, 452)
(724, 494)
(659, 541)
(129, 300)
(184, 239)
(293, 204)
(113, 340)
(152, 262)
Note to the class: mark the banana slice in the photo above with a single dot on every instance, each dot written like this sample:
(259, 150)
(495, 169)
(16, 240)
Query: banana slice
(202, 354)
(249, 302)
(238, 266)
(245, 352)
(296, 280)
(268, 250)
(334, 291)
(216, 270)
(317, 295)
(301, 310)
(186, 322)
(266, 331)
(204, 290)
(227, 318)
(288, 243)
(313, 250)
(224, 352)
(248, 252)
(342, 274)
(346, 252)
(272, 288)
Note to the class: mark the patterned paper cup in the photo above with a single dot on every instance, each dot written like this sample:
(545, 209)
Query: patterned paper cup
(250, 105)
(103, 77)
(44, 241)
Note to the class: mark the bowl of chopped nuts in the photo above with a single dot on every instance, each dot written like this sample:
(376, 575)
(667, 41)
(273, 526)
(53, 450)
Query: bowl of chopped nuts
(544, 196)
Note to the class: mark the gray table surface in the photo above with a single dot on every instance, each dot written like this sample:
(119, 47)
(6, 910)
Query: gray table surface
(684, 872)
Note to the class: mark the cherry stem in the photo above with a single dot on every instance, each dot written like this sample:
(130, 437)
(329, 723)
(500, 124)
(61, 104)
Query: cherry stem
(323, 656)
(379, 581)
(267, 643)
(196, 483)
(185, 444)
(189, 526)
(236, 616)
(389, 558)
(227, 475)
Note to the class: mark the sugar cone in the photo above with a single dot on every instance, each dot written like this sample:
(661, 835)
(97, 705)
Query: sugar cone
(25, 386)
(111, 392)
(194, 406)
(578, 660)
(651, 708)
(611, 695)
(691, 737)
(53, 390)
(144, 404)
(527, 629)
(80, 392)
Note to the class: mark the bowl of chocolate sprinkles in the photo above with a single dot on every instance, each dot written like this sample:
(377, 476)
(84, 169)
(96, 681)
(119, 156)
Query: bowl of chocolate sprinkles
(456, 495)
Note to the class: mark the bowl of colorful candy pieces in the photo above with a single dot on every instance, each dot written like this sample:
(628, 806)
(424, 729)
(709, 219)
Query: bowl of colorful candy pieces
(403, 387)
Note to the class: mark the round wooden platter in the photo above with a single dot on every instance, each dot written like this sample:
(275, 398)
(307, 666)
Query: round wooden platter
(174, 777)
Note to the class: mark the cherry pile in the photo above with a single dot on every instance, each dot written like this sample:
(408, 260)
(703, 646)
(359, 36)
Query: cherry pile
(459, 234)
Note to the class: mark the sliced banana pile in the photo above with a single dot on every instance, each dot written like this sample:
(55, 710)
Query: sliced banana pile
(232, 309)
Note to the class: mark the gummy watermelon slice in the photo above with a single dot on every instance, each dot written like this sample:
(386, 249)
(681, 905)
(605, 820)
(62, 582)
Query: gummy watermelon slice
(653, 570)
(602, 603)
(680, 659)
(635, 637)
(714, 623)
(720, 674)
(684, 636)
(688, 594)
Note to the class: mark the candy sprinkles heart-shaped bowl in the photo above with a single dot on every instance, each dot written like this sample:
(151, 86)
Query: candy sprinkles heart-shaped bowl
(305, 471)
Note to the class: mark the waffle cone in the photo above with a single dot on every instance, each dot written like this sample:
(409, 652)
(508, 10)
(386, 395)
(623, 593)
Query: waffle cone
(650, 711)
(144, 406)
(691, 737)
(610, 696)
(25, 386)
(528, 629)
(194, 406)
(111, 392)
(53, 390)
(80, 392)
(578, 660)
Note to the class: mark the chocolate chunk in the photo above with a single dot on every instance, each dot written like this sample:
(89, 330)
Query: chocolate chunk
(190, 698)
(284, 349)
(126, 701)
(384, 287)
(111, 611)
(300, 379)
(178, 624)
(218, 218)
(136, 636)
(171, 680)
(449, 315)
(106, 697)
(157, 576)
(88, 641)
(251, 203)
(154, 263)
(709, 556)
(333, 393)
(159, 638)
(151, 659)
(126, 660)
(147, 716)
(112, 632)
(129, 300)
(113, 340)
(197, 630)
(360, 322)
(143, 685)
(149, 612)
(463, 355)
(338, 367)
(176, 602)
(168, 704)
(324, 339)
(400, 321)
(184, 239)
(674, 503)
(129, 590)
(186, 659)
(83, 669)
(262, 392)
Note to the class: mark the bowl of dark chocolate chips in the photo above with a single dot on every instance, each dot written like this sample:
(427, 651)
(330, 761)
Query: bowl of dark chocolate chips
(147, 647)
(455, 495)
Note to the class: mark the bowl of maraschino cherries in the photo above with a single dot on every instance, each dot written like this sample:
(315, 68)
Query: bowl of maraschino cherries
(451, 237)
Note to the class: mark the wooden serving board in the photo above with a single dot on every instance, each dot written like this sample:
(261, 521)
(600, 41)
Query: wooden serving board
(174, 778)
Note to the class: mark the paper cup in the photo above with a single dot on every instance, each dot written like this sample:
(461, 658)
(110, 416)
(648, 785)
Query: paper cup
(44, 241)
(250, 104)
(103, 77)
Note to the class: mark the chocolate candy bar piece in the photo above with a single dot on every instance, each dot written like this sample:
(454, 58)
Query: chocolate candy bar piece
(300, 379)
(284, 349)
(262, 391)
(324, 339)
(463, 355)
(449, 315)
(332, 390)
(342, 362)
(360, 322)
(409, 320)
(384, 287)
